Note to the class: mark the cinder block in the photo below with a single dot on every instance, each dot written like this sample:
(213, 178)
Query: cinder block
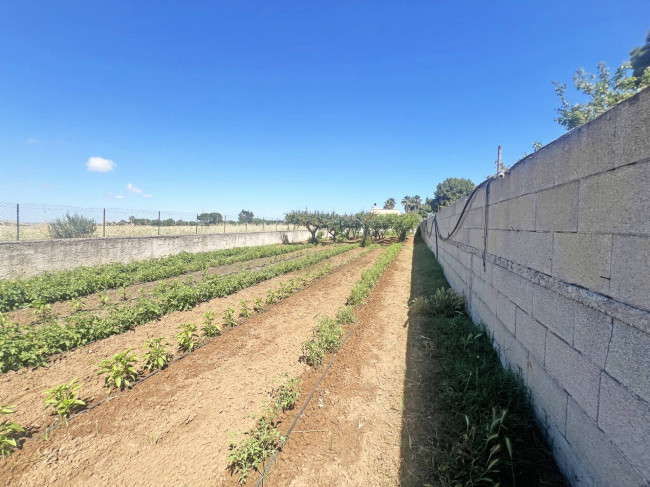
(476, 238)
(555, 312)
(578, 375)
(557, 209)
(549, 399)
(531, 334)
(516, 288)
(508, 187)
(539, 168)
(625, 419)
(569, 462)
(617, 201)
(532, 249)
(630, 281)
(592, 332)
(587, 150)
(600, 457)
(520, 213)
(632, 129)
(628, 360)
(506, 312)
(583, 259)
(514, 353)
(499, 243)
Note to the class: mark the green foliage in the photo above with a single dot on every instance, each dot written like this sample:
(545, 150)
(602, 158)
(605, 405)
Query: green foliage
(72, 226)
(210, 218)
(328, 334)
(188, 340)
(245, 310)
(402, 224)
(258, 305)
(245, 216)
(603, 93)
(369, 277)
(229, 317)
(210, 329)
(64, 398)
(286, 395)
(120, 370)
(8, 432)
(251, 451)
(345, 315)
(104, 298)
(62, 285)
(449, 191)
(313, 221)
(389, 204)
(29, 346)
(77, 304)
(312, 353)
(43, 311)
(640, 59)
(411, 203)
(156, 355)
(444, 302)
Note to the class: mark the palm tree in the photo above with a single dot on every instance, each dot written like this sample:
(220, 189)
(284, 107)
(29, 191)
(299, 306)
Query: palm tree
(390, 204)
(416, 202)
(406, 201)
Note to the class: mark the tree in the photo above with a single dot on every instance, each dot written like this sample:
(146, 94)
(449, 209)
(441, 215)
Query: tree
(411, 203)
(336, 225)
(449, 191)
(603, 91)
(424, 210)
(640, 59)
(245, 216)
(212, 218)
(72, 226)
(402, 224)
(389, 204)
(312, 220)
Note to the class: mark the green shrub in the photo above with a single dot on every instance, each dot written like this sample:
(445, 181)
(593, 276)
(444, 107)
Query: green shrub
(72, 226)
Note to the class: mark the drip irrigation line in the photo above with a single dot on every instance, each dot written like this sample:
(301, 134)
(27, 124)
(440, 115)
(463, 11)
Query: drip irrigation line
(108, 398)
(271, 461)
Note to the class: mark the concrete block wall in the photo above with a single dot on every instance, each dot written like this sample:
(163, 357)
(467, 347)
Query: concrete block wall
(563, 283)
(27, 259)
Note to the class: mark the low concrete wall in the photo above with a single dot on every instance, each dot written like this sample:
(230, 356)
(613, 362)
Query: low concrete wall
(564, 286)
(27, 259)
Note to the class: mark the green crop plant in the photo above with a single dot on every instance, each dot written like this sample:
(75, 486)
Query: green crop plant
(345, 315)
(43, 311)
(64, 398)
(77, 304)
(123, 294)
(258, 305)
(188, 340)
(312, 353)
(250, 452)
(120, 370)
(210, 328)
(286, 395)
(229, 317)
(329, 333)
(271, 296)
(8, 432)
(245, 310)
(156, 355)
(104, 298)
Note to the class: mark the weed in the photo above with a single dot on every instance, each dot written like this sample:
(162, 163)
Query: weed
(78, 304)
(245, 310)
(64, 398)
(8, 432)
(444, 302)
(104, 298)
(188, 340)
(120, 370)
(229, 317)
(156, 355)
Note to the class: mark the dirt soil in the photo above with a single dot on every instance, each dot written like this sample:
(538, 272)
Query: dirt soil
(25, 388)
(175, 428)
(60, 309)
(350, 433)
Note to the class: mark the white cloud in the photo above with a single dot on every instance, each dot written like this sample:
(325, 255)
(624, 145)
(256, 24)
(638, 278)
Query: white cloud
(133, 189)
(147, 196)
(118, 196)
(99, 164)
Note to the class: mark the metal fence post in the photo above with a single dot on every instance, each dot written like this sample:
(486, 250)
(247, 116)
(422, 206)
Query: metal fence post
(262, 224)
(104, 227)
(158, 223)
(197, 224)
(17, 221)
(225, 217)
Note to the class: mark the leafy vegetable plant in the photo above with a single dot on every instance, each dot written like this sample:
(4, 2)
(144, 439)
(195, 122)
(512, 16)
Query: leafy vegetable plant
(245, 310)
(64, 398)
(188, 340)
(251, 451)
(210, 329)
(156, 355)
(120, 370)
(8, 432)
(229, 317)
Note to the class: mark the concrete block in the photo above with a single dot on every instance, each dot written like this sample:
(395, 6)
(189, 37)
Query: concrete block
(625, 419)
(578, 375)
(514, 353)
(476, 238)
(628, 359)
(516, 288)
(508, 187)
(583, 259)
(599, 456)
(499, 243)
(587, 150)
(531, 334)
(506, 312)
(549, 399)
(539, 168)
(616, 201)
(557, 209)
(555, 312)
(567, 460)
(532, 249)
(630, 281)
(513, 214)
(592, 333)
(632, 129)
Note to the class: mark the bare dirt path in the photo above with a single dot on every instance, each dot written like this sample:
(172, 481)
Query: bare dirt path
(350, 434)
(173, 429)
(26, 316)
(25, 388)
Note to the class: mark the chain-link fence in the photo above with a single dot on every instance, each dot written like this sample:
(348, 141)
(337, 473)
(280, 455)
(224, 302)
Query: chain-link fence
(41, 222)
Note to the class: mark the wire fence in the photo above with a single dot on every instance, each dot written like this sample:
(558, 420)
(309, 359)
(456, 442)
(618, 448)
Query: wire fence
(43, 222)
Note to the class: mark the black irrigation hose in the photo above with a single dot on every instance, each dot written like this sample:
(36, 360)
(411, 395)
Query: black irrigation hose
(56, 424)
(265, 472)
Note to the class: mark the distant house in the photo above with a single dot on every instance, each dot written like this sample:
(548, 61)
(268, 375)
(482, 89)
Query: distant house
(380, 211)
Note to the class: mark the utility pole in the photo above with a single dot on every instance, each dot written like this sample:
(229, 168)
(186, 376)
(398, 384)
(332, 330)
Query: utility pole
(498, 162)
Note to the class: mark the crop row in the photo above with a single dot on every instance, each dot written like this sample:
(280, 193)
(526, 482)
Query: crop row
(121, 372)
(63, 285)
(22, 346)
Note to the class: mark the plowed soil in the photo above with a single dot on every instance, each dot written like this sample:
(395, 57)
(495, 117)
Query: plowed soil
(175, 428)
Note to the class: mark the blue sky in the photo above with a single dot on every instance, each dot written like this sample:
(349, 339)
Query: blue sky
(271, 106)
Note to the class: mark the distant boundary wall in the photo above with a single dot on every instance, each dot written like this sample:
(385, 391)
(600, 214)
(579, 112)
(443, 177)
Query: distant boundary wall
(563, 284)
(27, 259)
